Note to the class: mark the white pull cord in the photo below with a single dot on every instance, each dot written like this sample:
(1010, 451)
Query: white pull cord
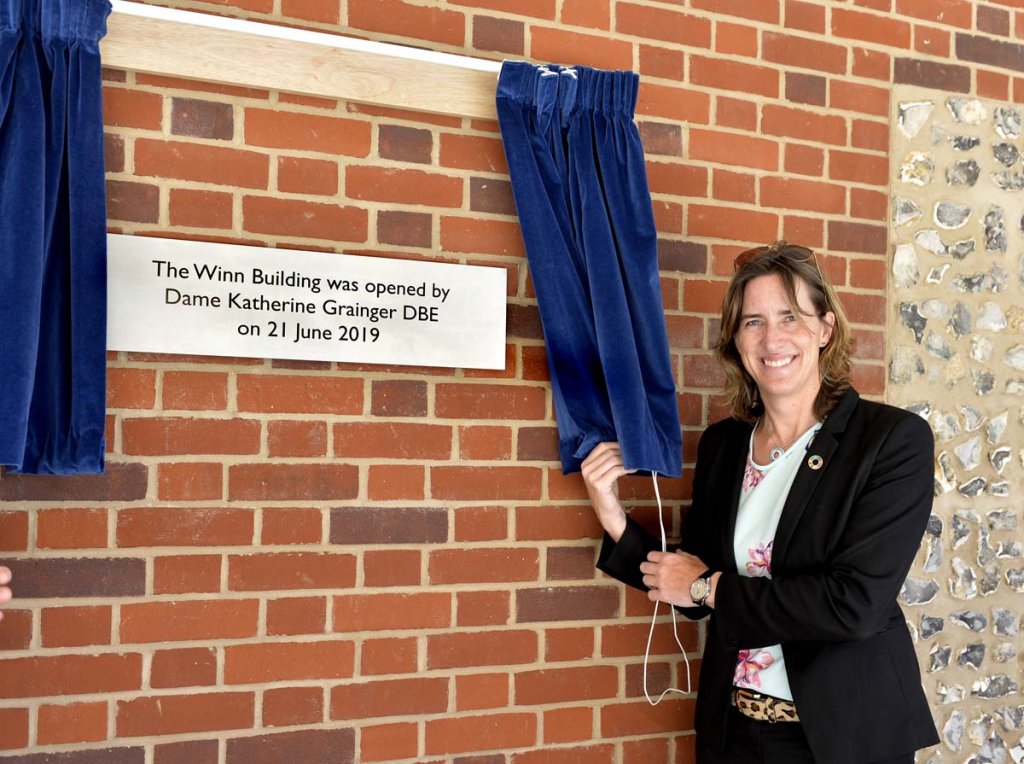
(654, 619)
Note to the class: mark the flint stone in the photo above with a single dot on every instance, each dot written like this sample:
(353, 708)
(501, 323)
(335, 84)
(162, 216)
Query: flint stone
(965, 142)
(999, 488)
(950, 215)
(930, 240)
(930, 626)
(991, 317)
(996, 428)
(969, 111)
(969, 453)
(961, 322)
(977, 729)
(989, 581)
(1015, 319)
(936, 274)
(973, 487)
(999, 458)
(1015, 578)
(1015, 387)
(945, 426)
(1012, 717)
(911, 116)
(965, 585)
(906, 364)
(961, 249)
(1004, 622)
(913, 319)
(986, 552)
(1008, 181)
(953, 730)
(905, 211)
(995, 230)
(953, 694)
(964, 172)
(954, 371)
(945, 478)
(973, 419)
(922, 409)
(998, 686)
(1012, 550)
(1002, 520)
(1005, 652)
(904, 266)
(934, 309)
(937, 345)
(961, 528)
(972, 656)
(917, 169)
(993, 751)
(1005, 153)
(918, 592)
(1007, 121)
(984, 381)
(934, 526)
(933, 560)
(940, 656)
(1015, 357)
(971, 619)
(981, 349)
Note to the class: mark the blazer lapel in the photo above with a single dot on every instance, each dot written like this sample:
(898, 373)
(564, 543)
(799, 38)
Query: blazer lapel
(734, 463)
(820, 453)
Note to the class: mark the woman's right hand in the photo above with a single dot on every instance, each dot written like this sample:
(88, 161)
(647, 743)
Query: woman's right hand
(5, 590)
(601, 472)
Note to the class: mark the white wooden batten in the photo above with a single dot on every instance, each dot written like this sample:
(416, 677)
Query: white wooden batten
(157, 40)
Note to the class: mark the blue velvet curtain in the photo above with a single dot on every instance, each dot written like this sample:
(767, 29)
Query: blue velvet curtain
(580, 186)
(52, 237)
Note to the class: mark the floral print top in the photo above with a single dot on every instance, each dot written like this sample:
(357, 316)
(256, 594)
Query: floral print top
(764, 491)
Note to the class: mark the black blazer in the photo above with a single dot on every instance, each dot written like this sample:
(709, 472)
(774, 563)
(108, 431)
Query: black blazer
(846, 539)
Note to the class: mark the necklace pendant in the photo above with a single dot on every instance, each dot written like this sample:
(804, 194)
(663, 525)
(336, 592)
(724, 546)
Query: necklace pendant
(776, 453)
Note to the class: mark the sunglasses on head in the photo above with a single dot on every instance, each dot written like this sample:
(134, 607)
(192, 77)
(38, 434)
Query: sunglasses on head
(777, 251)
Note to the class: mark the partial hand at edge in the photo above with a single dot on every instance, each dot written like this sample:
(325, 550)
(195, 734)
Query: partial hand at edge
(601, 472)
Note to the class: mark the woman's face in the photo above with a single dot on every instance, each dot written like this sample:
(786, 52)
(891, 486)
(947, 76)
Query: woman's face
(780, 348)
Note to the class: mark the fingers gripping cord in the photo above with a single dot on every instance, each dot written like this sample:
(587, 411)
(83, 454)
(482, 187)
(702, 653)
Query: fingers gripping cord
(654, 620)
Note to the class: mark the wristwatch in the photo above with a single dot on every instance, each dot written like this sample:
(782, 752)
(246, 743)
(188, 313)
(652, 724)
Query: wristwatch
(701, 588)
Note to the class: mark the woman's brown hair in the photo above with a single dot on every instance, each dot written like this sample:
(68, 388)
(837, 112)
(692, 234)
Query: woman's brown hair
(790, 262)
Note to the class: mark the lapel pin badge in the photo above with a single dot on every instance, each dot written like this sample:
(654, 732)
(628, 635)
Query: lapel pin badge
(815, 462)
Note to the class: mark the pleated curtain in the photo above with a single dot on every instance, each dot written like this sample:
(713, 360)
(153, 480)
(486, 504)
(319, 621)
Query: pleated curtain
(52, 237)
(580, 186)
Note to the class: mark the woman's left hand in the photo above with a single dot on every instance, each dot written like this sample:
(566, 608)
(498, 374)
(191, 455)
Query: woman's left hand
(668, 576)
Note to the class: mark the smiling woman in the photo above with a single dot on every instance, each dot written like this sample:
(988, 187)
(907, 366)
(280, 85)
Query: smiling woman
(808, 507)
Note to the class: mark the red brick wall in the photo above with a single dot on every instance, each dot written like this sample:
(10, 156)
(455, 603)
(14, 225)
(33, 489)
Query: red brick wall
(292, 561)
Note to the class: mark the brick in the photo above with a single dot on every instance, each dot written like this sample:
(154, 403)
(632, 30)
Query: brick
(459, 566)
(851, 96)
(460, 401)
(537, 444)
(52, 577)
(803, 52)
(734, 76)
(731, 149)
(870, 205)
(481, 523)
(856, 237)
(872, 63)
(299, 394)
(14, 531)
(75, 626)
(198, 118)
(808, 231)
(653, 23)
(994, 85)
(574, 644)
(311, 10)
(176, 83)
(389, 656)
(473, 152)
(682, 256)
(564, 685)
(767, 11)
(131, 388)
(870, 135)
(932, 74)
(132, 108)
(187, 752)
(567, 523)
(485, 443)
(288, 706)
(480, 733)
(405, 144)
(492, 196)
(621, 640)
(993, 20)
(566, 603)
(476, 692)
(387, 184)
(484, 648)
(479, 235)
(668, 216)
(736, 39)
(173, 714)
(13, 728)
(113, 153)
(188, 667)
(395, 697)
(392, 568)
(408, 229)
(71, 528)
(857, 25)
(16, 633)
(274, 128)
(932, 41)
(300, 175)
(178, 526)
(570, 563)
(204, 164)
(201, 209)
(281, 661)
(178, 574)
(732, 224)
(485, 483)
(375, 612)
(806, 88)
(47, 676)
(638, 718)
(190, 481)
(188, 620)
(394, 440)
(858, 168)
(477, 608)
(810, 17)
(661, 62)
(157, 436)
(296, 615)
(402, 19)
(388, 482)
(792, 193)
(586, 13)
(133, 202)
(291, 570)
(864, 308)
(733, 186)
(804, 125)
(72, 723)
(309, 220)
(955, 13)
(388, 525)
(804, 160)
(296, 438)
(600, 51)
(498, 35)
(735, 113)
(303, 745)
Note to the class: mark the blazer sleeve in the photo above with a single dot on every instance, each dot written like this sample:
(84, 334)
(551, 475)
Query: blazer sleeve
(853, 594)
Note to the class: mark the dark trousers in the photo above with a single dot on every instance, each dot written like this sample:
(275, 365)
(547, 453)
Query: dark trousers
(754, 742)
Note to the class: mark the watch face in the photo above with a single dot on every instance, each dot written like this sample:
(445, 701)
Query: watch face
(699, 589)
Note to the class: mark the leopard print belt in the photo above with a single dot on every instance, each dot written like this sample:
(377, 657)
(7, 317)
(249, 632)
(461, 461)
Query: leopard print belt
(764, 708)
